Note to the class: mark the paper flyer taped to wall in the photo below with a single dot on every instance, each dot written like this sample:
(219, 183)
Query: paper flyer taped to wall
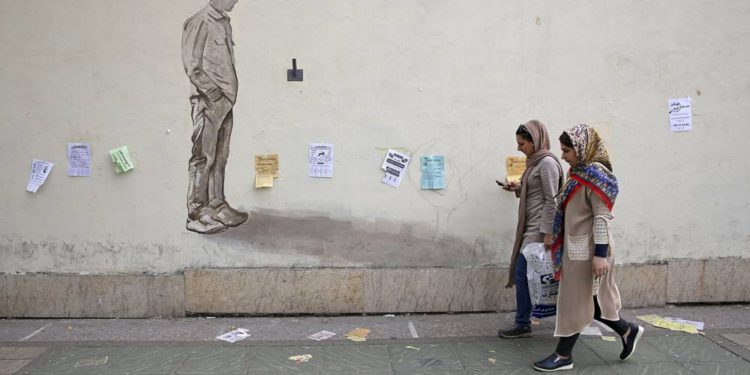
(121, 159)
(514, 168)
(680, 114)
(395, 165)
(79, 159)
(40, 170)
(433, 172)
(266, 169)
(320, 160)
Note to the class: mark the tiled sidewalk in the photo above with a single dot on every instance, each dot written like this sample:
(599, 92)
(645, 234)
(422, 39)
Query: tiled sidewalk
(672, 353)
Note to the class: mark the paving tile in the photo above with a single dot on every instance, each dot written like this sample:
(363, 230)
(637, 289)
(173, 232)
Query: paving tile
(430, 357)
(526, 370)
(720, 368)
(356, 358)
(684, 348)
(275, 360)
(609, 351)
(114, 360)
(26, 352)
(429, 372)
(669, 368)
(11, 366)
(223, 360)
(741, 339)
(6, 352)
(506, 353)
(517, 353)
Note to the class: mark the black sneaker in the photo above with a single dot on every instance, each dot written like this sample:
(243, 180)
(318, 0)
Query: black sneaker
(628, 346)
(517, 332)
(554, 363)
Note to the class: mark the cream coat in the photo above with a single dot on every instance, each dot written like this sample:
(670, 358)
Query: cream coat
(575, 304)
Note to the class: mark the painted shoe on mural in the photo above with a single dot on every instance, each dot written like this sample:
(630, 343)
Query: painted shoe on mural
(229, 216)
(205, 225)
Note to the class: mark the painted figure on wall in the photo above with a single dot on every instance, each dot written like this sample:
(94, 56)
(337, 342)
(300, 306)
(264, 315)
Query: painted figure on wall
(208, 59)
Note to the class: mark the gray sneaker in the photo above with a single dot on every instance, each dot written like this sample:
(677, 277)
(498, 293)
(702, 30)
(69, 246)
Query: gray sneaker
(517, 332)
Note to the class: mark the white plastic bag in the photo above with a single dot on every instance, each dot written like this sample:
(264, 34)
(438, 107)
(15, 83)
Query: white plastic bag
(540, 272)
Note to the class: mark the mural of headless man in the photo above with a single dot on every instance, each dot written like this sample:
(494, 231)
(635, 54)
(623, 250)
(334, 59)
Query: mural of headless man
(208, 59)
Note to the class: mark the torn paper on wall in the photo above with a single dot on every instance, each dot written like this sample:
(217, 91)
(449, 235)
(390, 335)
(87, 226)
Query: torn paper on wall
(40, 170)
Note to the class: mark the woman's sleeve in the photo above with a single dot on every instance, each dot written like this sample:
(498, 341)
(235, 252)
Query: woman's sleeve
(550, 176)
(601, 233)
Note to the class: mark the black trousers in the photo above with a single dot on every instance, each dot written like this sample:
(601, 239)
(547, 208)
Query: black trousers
(565, 344)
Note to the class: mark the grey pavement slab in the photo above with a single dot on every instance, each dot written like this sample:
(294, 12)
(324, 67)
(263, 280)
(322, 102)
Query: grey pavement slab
(401, 344)
(11, 366)
(656, 355)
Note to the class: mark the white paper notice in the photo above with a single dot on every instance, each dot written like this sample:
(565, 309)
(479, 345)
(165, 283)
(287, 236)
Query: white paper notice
(79, 159)
(40, 169)
(234, 336)
(395, 165)
(698, 325)
(680, 115)
(320, 160)
(322, 335)
(591, 331)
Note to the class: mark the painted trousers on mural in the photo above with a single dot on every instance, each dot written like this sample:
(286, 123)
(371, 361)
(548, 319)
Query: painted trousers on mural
(212, 128)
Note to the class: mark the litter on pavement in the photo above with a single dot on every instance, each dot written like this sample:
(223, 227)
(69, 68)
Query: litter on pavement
(234, 335)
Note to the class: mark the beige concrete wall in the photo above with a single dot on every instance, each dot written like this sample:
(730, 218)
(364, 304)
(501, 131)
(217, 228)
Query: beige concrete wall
(433, 77)
(341, 290)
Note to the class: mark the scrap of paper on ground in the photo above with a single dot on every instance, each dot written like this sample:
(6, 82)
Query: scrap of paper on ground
(658, 321)
(234, 335)
(358, 334)
(322, 335)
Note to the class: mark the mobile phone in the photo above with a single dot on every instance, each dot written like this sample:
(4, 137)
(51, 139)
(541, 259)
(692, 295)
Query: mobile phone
(500, 183)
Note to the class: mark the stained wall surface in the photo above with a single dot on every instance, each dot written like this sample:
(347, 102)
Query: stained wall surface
(442, 77)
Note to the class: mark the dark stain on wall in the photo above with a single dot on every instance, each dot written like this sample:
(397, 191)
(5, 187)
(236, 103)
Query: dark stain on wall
(346, 244)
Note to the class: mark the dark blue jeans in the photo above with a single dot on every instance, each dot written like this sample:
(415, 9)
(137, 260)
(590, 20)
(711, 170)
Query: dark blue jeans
(523, 300)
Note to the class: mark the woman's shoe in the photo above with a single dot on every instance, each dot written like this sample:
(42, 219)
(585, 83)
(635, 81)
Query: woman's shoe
(554, 363)
(628, 345)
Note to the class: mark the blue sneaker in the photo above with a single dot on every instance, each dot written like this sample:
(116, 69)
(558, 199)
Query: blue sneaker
(554, 363)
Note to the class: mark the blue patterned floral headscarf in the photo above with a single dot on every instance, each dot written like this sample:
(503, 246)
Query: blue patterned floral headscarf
(594, 170)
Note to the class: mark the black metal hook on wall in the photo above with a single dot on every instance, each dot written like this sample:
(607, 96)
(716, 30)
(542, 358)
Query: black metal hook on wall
(294, 74)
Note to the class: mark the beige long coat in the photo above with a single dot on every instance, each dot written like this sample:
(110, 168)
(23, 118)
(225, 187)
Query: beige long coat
(575, 304)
